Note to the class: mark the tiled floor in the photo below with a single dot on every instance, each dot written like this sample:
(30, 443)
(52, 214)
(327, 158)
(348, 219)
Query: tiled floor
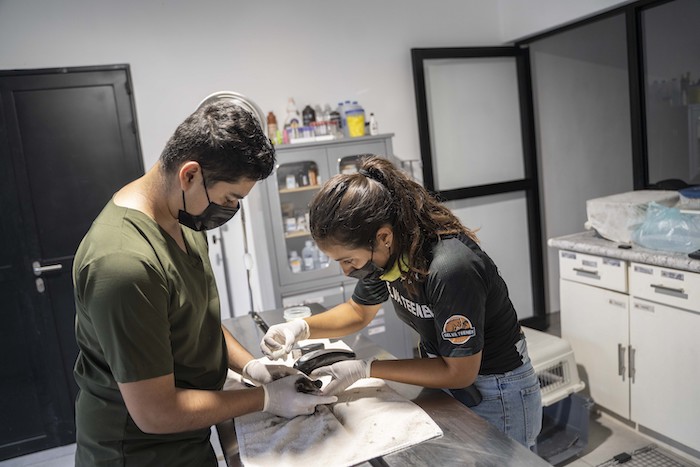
(64, 456)
(607, 437)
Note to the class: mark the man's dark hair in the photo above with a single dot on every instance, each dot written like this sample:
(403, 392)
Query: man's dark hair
(227, 142)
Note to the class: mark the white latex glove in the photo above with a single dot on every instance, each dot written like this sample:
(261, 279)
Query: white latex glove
(260, 372)
(343, 374)
(283, 400)
(280, 338)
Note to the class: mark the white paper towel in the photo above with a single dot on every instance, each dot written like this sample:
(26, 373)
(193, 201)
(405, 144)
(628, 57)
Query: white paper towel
(369, 420)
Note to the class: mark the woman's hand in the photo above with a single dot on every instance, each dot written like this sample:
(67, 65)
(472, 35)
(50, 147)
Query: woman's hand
(343, 374)
(280, 338)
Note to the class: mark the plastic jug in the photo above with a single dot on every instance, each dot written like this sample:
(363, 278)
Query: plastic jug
(355, 118)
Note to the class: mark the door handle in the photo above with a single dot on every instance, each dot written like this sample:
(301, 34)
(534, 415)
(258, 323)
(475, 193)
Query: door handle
(586, 272)
(621, 360)
(633, 370)
(39, 269)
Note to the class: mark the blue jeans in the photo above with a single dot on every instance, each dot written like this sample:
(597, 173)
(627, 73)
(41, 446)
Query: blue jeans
(512, 401)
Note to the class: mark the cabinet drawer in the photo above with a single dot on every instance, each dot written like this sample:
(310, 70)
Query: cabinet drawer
(608, 273)
(663, 285)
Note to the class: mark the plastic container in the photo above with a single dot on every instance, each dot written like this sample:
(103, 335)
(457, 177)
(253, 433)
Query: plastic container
(308, 115)
(309, 256)
(293, 119)
(340, 110)
(689, 198)
(296, 312)
(564, 431)
(373, 126)
(323, 260)
(294, 262)
(553, 361)
(271, 126)
(355, 118)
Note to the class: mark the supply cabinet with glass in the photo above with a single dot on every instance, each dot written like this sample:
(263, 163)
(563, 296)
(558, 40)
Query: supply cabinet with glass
(301, 273)
(301, 170)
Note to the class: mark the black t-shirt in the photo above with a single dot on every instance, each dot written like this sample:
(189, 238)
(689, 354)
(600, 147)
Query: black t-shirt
(460, 308)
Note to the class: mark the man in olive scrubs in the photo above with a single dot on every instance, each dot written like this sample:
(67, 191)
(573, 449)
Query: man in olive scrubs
(153, 353)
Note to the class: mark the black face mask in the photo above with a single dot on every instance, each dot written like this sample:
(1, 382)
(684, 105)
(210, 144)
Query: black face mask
(212, 217)
(370, 270)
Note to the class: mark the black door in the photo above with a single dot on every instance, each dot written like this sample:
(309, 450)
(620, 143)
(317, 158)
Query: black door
(68, 141)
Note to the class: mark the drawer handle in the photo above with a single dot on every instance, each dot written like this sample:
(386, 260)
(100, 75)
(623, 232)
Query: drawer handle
(621, 361)
(662, 289)
(633, 370)
(586, 272)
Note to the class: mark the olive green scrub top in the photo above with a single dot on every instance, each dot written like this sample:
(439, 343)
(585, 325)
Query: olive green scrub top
(144, 308)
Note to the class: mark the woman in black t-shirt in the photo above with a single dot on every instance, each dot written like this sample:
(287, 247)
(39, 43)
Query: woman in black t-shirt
(388, 232)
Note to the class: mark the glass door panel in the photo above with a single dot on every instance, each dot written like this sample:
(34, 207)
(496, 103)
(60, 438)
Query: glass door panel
(298, 179)
(671, 47)
(500, 222)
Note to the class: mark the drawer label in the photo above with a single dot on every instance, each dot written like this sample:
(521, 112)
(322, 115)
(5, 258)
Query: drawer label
(679, 276)
(568, 254)
(644, 270)
(612, 262)
(643, 307)
(589, 263)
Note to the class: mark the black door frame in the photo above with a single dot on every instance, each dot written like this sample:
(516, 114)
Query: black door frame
(529, 184)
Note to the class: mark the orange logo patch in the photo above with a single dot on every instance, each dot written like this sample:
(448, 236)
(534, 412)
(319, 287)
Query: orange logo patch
(458, 329)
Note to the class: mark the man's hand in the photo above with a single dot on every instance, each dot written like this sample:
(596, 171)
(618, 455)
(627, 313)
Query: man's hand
(280, 338)
(283, 399)
(260, 372)
(344, 374)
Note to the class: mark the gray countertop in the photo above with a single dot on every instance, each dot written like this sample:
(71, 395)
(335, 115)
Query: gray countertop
(468, 440)
(590, 242)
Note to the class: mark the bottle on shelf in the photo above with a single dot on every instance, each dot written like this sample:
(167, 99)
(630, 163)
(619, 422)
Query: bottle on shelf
(294, 261)
(293, 119)
(323, 260)
(373, 126)
(335, 121)
(309, 255)
(272, 126)
(308, 115)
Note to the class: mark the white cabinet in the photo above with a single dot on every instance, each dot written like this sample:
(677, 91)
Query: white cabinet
(664, 326)
(634, 329)
(665, 370)
(594, 320)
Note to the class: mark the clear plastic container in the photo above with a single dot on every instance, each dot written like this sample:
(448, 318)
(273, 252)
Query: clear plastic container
(294, 262)
(309, 256)
(296, 312)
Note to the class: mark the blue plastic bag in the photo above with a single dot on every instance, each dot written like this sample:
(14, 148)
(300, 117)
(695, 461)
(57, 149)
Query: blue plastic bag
(668, 229)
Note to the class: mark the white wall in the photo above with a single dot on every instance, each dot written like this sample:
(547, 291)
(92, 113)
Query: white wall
(520, 19)
(580, 85)
(180, 51)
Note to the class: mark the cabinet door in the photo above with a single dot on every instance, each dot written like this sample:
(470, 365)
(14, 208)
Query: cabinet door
(664, 370)
(290, 189)
(595, 322)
